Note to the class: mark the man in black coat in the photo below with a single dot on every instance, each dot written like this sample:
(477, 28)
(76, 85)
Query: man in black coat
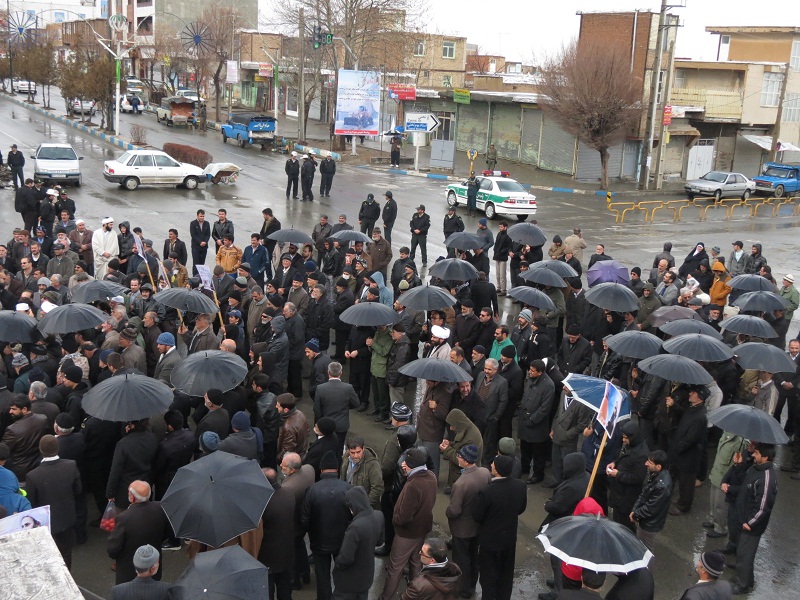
(513, 374)
(200, 232)
(174, 451)
(466, 328)
(368, 214)
(56, 482)
(487, 328)
(144, 587)
(176, 245)
(686, 445)
(334, 399)
(354, 565)
(319, 317)
(72, 446)
(389, 215)
(307, 172)
(278, 519)
(502, 246)
(709, 586)
(326, 442)
(420, 224)
(325, 516)
(576, 352)
(292, 170)
(133, 460)
(533, 421)
(452, 224)
(496, 510)
(144, 522)
(483, 293)
(626, 475)
(327, 169)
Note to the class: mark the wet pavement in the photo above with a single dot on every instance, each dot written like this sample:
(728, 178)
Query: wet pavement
(263, 184)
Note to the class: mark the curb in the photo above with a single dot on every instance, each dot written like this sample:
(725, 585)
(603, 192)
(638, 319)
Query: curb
(111, 139)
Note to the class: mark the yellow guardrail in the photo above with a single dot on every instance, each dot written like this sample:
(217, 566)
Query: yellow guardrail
(651, 207)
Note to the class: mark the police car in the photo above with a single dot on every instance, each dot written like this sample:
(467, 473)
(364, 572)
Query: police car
(497, 193)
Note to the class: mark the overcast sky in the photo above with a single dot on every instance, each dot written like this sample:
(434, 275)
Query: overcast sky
(521, 29)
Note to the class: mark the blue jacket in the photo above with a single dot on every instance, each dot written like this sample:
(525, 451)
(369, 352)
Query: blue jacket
(257, 259)
(386, 295)
(10, 498)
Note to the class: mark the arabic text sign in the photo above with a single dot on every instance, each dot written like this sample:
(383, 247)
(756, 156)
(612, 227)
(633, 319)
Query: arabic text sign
(358, 102)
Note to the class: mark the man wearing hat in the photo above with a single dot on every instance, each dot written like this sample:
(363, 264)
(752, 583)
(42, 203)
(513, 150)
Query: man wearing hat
(60, 263)
(464, 528)
(368, 214)
(56, 482)
(420, 224)
(452, 223)
(168, 357)
(245, 440)
(146, 561)
(327, 169)
(307, 171)
(789, 293)
(709, 586)
(327, 441)
(105, 247)
(465, 434)
(685, 447)
(380, 251)
(133, 355)
(576, 352)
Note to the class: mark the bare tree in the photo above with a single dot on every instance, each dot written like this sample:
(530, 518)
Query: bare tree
(170, 53)
(222, 23)
(589, 90)
(37, 63)
(478, 62)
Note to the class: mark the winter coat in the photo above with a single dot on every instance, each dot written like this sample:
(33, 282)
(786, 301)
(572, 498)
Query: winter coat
(354, 565)
(366, 474)
(22, 437)
(413, 511)
(370, 211)
(570, 421)
(756, 497)
(421, 222)
(557, 296)
(292, 167)
(497, 398)
(466, 433)
(126, 243)
(325, 514)
(341, 303)
(293, 436)
(626, 486)
(452, 224)
(463, 496)
(685, 447)
(570, 491)
(319, 321)
(389, 212)
(10, 498)
(334, 399)
(652, 505)
(381, 253)
(435, 582)
(134, 457)
(278, 346)
(574, 358)
(502, 246)
(692, 262)
(533, 418)
(497, 509)
(398, 356)
(381, 345)
(431, 422)
(728, 445)
(754, 262)
(717, 589)
(319, 372)
(278, 521)
(466, 331)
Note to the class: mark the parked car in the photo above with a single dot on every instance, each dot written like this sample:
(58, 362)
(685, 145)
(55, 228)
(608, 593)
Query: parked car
(496, 194)
(23, 87)
(133, 85)
(778, 179)
(191, 94)
(720, 184)
(250, 128)
(151, 167)
(57, 163)
(126, 106)
(84, 106)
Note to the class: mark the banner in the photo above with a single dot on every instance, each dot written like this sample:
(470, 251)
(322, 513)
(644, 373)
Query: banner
(29, 519)
(399, 91)
(358, 103)
(205, 276)
(232, 71)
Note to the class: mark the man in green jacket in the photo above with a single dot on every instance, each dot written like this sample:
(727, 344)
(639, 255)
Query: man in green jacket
(466, 433)
(361, 467)
(380, 345)
(790, 294)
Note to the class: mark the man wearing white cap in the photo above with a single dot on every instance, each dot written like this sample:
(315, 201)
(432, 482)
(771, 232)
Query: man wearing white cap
(438, 346)
(789, 293)
(307, 172)
(104, 247)
(81, 236)
(292, 174)
(146, 563)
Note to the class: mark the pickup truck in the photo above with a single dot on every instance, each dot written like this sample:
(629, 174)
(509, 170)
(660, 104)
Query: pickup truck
(778, 179)
(250, 128)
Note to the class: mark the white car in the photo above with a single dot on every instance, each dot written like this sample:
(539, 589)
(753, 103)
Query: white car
(23, 87)
(125, 103)
(496, 194)
(190, 94)
(151, 167)
(83, 106)
(57, 163)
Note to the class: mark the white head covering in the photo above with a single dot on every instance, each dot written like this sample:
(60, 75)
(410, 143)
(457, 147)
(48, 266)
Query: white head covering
(47, 306)
(51, 192)
(440, 332)
(294, 153)
(107, 220)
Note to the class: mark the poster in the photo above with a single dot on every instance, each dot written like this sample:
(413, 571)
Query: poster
(205, 276)
(29, 519)
(358, 103)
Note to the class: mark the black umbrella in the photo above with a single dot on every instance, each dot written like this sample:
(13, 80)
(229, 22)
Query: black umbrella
(676, 368)
(351, 235)
(94, 290)
(453, 269)
(127, 398)
(749, 325)
(613, 296)
(635, 344)
(531, 297)
(226, 574)
(71, 317)
(291, 236)
(748, 422)
(216, 498)
(528, 234)
(682, 326)
(464, 241)
(665, 314)
(435, 369)
(187, 300)
(17, 327)
(594, 542)
(698, 346)
(761, 301)
(201, 371)
(426, 297)
(751, 283)
(369, 314)
(559, 267)
(763, 357)
(544, 277)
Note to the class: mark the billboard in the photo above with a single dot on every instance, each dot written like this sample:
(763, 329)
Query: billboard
(358, 103)
(398, 91)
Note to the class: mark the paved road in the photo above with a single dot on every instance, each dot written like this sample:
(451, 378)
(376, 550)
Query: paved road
(263, 183)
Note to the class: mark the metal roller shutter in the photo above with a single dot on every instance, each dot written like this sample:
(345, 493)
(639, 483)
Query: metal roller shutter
(747, 158)
(589, 166)
(471, 130)
(557, 152)
(506, 130)
(630, 159)
(531, 128)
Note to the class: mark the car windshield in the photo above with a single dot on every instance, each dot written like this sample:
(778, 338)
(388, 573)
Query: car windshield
(504, 185)
(715, 176)
(773, 172)
(56, 153)
(123, 160)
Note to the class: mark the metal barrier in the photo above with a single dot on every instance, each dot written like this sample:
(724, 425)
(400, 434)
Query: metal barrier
(673, 205)
(786, 201)
(619, 209)
(651, 207)
(727, 203)
(691, 204)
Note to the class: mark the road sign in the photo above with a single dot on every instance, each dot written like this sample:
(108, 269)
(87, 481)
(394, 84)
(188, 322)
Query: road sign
(472, 154)
(426, 122)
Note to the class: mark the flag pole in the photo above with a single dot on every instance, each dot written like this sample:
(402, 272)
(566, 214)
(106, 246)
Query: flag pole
(596, 463)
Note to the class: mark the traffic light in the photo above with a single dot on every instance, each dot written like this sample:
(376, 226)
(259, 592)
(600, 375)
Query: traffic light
(318, 38)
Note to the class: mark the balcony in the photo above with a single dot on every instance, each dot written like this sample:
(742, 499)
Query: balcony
(719, 105)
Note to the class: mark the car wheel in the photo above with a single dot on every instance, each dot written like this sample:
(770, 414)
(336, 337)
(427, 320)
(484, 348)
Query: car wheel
(746, 195)
(452, 199)
(224, 138)
(241, 141)
(489, 209)
(190, 183)
(717, 195)
(131, 183)
(779, 191)
(690, 197)
(522, 217)
(78, 182)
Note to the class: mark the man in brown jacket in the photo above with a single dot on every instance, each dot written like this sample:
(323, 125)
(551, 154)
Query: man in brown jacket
(431, 419)
(439, 577)
(229, 257)
(380, 250)
(298, 477)
(293, 436)
(23, 435)
(412, 520)
(459, 516)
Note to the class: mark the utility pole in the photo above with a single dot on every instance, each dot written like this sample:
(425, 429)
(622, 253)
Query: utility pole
(644, 167)
(10, 53)
(662, 126)
(776, 129)
(301, 92)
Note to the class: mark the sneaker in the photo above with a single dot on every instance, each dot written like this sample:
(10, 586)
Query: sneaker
(715, 534)
(728, 550)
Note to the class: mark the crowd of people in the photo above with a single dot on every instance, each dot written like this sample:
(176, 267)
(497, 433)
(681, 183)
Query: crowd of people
(280, 308)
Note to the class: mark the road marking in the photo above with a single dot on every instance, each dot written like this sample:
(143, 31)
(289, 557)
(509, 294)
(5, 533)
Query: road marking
(18, 142)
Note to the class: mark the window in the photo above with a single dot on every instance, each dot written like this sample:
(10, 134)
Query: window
(771, 89)
(680, 78)
(448, 49)
(447, 127)
(143, 160)
(165, 161)
(426, 74)
(447, 81)
(486, 184)
(794, 61)
(419, 48)
(791, 108)
(513, 67)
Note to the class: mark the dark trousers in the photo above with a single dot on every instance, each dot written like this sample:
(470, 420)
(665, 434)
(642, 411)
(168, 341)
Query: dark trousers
(341, 437)
(360, 380)
(558, 454)
(421, 241)
(199, 254)
(340, 340)
(30, 219)
(472, 202)
(745, 557)
(326, 181)
(387, 508)
(269, 457)
(367, 227)
(380, 396)
(621, 515)
(686, 488)
(465, 555)
(350, 595)
(791, 404)
(17, 174)
(490, 440)
(496, 573)
(308, 183)
(301, 566)
(394, 157)
(533, 452)
(294, 382)
(291, 185)
(65, 540)
(280, 584)
(734, 527)
(506, 419)
(647, 429)
(387, 231)
(81, 515)
(322, 572)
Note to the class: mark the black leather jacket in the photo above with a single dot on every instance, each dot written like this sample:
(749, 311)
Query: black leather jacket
(650, 510)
